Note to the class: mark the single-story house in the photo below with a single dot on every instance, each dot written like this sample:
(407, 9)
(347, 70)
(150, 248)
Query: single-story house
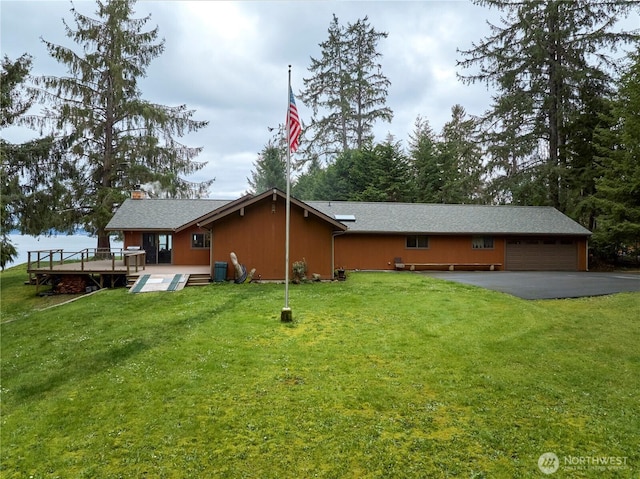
(350, 235)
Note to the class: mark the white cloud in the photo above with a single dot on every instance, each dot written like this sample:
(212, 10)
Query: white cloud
(228, 61)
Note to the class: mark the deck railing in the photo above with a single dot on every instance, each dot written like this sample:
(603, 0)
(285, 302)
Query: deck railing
(49, 259)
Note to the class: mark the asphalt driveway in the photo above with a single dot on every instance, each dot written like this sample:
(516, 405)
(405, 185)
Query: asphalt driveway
(545, 284)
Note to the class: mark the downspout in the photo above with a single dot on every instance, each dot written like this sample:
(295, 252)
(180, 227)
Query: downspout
(504, 253)
(333, 249)
(586, 253)
(211, 262)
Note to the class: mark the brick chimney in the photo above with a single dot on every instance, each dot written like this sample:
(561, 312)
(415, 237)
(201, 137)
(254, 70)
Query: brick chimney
(138, 194)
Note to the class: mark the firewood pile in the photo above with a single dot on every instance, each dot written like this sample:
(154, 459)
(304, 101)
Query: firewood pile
(71, 284)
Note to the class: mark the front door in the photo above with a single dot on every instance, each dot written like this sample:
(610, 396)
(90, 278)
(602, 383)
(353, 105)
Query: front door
(150, 247)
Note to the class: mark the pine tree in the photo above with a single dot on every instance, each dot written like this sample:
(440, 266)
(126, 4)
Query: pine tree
(347, 90)
(538, 60)
(119, 138)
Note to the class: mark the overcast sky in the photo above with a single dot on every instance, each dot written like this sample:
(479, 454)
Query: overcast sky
(228, 61)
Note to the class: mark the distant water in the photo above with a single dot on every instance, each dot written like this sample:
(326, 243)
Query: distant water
(71, 243)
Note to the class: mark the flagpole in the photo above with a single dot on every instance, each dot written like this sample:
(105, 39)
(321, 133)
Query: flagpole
(286, 315)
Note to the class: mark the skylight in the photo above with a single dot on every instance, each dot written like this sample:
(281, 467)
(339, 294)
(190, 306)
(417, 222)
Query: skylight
(345, 217)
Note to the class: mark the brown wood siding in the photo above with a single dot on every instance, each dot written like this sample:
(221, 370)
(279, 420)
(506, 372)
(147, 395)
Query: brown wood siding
(543, 254)
(183, 253)
(258, 239)
(377, 252)
(132, 239)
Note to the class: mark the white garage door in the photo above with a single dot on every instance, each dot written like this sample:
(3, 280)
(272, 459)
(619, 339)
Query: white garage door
(541, 254)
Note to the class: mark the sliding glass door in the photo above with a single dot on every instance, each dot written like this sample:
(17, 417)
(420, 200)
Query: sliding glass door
(158, 247)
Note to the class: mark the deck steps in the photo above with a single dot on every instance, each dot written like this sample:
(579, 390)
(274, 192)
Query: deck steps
(199, 279)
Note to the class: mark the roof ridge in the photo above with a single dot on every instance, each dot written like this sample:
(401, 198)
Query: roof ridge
(401, 203)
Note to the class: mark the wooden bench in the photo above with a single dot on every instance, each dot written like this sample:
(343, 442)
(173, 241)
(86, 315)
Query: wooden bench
(400, 265)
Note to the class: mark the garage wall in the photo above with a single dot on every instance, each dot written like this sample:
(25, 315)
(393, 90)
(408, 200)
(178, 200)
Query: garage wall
(377, 252)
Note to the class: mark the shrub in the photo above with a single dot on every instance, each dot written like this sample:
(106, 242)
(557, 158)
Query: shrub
(300, 271)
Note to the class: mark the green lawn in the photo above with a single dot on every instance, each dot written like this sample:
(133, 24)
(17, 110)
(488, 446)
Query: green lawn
(384, 375)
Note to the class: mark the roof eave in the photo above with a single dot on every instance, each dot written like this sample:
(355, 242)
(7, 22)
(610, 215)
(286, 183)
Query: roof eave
(250, 200)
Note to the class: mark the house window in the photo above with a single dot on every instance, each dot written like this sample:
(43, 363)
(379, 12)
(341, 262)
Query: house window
(482, 242)
(417, 241)
(200, 240)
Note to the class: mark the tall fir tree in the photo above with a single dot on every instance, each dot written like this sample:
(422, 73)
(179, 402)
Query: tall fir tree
(270, 170)
(120, 139)
(382, 173)
(618, 188)
(346, 91)
(593, 114)
(461, 157)
(35, 190)
(311, 184)
(428, 169)
(538, 60)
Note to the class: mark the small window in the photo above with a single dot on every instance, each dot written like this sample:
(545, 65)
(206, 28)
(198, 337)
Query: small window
(482, 242)
(200, 240)
(417, 241)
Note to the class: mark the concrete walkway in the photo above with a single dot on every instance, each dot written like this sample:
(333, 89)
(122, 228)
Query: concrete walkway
(545, 284)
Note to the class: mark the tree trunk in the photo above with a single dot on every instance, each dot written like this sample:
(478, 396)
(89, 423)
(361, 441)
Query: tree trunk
(553, 108)
(104, 244)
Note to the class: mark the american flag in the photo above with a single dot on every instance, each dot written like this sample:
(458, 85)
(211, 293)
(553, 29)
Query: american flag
(293, 123)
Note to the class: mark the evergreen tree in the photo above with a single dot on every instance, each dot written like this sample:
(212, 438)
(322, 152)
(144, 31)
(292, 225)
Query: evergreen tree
(270, 170)
(594, 113)
(373, 173)
(368, 86)
(119, 138)
(35, 191)
(347, 90)
(538, 60)
(461, 157)
(428, 169)
(618, 189)
(382, 173)
(312, 183)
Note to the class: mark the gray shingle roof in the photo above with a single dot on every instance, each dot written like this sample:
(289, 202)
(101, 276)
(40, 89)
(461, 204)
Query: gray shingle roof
(160, 214)
(418, 218)
(443, 219)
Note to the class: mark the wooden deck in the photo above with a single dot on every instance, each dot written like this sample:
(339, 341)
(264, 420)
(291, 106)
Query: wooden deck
(104, 267)
(88, 260)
